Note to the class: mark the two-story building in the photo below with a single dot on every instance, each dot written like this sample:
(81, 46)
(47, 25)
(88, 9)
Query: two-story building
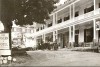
(74, 24)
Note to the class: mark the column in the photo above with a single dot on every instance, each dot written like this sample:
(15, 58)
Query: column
(69, 37)
(43, 38)
(94, 6)
(94, 31)
(54, 38)
(70, 12)
(73, 35)
(54, 19)
(54, 22)
(73, 11)
(81, 36)
(56, 34)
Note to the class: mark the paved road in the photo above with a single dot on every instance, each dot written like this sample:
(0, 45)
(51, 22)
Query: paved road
(63, 58)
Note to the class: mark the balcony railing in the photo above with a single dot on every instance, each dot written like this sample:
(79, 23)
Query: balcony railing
(89, 14)
(83, 16)
(67, 23)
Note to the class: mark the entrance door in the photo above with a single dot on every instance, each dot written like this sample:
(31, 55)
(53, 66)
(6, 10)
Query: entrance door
(99, 37)
(76, 40)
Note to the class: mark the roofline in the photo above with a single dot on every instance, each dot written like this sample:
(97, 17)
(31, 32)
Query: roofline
(64, 7)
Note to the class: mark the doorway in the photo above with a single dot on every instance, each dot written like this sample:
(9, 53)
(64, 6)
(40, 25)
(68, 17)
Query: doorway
(76, 40)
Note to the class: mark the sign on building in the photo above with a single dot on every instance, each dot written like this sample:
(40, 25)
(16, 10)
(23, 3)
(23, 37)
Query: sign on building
(98, 25)
(4, 44)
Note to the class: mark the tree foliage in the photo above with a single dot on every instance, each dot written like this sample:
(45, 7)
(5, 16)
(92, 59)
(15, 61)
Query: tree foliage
(25, 11)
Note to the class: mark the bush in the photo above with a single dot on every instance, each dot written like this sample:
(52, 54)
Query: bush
(44, 46)
(47, 46)
(18, 51)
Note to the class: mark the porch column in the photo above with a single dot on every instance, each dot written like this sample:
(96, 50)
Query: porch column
(70, 12)
(69, 37)
(73, 36)
(73, 11)
(54, 37)
(56, 34)
(54, 22)
(94, 6)
(44, 38)
(94, 31)
(54, 19)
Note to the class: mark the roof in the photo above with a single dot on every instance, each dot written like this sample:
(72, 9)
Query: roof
(66, 3)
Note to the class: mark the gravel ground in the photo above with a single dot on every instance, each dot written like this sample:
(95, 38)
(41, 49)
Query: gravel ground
(63, 57)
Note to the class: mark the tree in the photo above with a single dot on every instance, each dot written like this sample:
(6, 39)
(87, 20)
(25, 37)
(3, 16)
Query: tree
(25, 12)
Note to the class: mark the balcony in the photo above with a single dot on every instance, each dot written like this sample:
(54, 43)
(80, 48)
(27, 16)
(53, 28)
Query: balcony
(77, 20)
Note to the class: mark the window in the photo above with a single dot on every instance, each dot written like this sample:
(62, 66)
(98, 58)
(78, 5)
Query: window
(99, 5)
(88, 35)
(86, 10)
(41, 28)
(66, 18)
(91, 8)
(76, 13)
(49, 25)
(59, 21)
(99, 34)
(38, 29)
(76, 31)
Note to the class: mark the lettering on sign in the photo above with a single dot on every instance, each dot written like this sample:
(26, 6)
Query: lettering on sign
(4, 41)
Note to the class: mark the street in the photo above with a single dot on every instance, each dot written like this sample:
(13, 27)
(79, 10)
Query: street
(62, 58)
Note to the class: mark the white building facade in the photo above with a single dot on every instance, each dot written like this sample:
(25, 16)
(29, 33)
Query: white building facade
(23, 36)
(72, 24)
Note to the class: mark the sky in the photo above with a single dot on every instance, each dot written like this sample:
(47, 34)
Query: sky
(61, 2)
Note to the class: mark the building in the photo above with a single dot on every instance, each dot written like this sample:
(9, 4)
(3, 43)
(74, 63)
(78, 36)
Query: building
(73, 24)
(23, 36)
